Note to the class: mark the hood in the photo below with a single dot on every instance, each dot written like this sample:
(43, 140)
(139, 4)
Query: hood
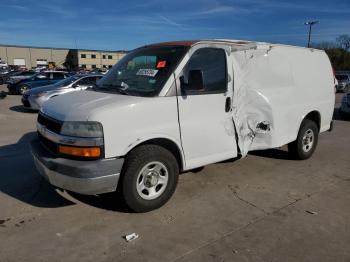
(79, 106)
(40, 89)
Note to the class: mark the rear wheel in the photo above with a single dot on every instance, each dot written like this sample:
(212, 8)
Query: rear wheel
(305, 144)
(22, 89)
(149, 177)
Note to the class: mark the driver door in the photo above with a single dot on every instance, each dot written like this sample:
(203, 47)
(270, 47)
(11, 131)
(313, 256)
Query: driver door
(206, 124)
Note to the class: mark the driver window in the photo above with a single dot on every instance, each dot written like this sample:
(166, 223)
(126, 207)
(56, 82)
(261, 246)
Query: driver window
(41, 76)
(211, 64)
(86, 81)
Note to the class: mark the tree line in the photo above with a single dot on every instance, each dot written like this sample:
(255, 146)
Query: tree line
(338, 51)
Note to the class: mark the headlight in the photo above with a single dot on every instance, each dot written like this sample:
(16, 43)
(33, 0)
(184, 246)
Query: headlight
(82, 129)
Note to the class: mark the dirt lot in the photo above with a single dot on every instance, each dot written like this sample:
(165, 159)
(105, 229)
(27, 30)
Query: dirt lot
(265, 207)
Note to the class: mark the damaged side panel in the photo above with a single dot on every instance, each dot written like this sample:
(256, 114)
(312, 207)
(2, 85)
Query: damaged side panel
(260, 94)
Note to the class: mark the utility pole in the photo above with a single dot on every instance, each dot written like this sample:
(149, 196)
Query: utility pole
(310, 24)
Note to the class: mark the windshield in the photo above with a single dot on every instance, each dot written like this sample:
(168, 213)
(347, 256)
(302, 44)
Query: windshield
(142, 72)
(66, 81)
(26, 73)
(341, 77)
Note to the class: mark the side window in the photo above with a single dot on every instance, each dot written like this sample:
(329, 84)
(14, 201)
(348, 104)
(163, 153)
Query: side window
(86, 81)
(57, 76)
(210, 63)
(42, 76)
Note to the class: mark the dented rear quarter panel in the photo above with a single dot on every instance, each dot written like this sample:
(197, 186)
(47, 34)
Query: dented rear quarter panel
(280, 85)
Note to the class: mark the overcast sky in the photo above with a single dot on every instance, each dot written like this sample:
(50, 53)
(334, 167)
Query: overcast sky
(114, 25)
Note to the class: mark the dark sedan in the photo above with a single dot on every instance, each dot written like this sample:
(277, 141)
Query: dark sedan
(39, 79)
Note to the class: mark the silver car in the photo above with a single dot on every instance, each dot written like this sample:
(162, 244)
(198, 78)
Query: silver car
(343, 82)
(344, 109)
(34, 98)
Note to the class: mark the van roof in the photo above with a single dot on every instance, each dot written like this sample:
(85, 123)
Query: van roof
(241, 44)
(194, 42)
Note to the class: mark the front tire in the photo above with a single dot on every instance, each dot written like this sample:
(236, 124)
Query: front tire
(149, 177)
(22, 89)
(305, 144)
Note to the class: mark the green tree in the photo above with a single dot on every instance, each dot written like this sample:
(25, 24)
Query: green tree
(344, 42)
(337, 51)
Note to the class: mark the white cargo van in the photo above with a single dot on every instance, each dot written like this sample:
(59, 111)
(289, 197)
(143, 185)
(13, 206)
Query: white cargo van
(171, 107)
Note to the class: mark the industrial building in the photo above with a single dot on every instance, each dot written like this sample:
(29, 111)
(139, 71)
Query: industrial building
(32, 57)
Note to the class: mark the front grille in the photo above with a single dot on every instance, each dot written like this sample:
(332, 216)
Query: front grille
(51, 146)
(50, 123)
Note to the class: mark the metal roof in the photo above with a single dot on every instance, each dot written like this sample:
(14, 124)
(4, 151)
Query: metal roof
(194, 42)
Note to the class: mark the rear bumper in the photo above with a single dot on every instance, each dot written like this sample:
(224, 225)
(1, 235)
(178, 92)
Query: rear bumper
(84, 177)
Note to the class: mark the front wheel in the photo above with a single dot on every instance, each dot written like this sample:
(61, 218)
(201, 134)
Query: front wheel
(22, 89)
(149, 177)
(305, 144)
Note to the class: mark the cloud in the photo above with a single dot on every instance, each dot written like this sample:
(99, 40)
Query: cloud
(169, 21)
(59, 10)
(308, 7)
(215, 10)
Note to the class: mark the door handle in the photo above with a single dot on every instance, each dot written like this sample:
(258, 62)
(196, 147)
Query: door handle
(228, 104)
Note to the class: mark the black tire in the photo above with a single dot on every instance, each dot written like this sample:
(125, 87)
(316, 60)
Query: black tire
(138, 159)
(299, 149)
(21, 89)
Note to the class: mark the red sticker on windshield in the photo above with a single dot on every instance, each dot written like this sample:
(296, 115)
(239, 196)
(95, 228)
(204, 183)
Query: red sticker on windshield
(161, 64)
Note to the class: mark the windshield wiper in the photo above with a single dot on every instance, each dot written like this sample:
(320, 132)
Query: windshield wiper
(119, 88)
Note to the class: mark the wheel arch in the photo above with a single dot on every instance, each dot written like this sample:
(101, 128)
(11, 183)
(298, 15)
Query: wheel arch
(314, 116)
(165, 142)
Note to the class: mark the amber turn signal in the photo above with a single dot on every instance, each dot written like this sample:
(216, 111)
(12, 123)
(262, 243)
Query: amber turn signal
(80, 151)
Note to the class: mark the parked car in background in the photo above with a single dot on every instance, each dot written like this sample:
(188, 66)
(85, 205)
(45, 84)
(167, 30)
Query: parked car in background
(39, 79)
(4, 69)
(343, 82)
(344, 110)
(34, 98)
(16, 76)
(99, 71)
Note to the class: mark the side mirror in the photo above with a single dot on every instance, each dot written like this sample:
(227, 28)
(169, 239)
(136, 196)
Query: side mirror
(75, 85)
(195, 81)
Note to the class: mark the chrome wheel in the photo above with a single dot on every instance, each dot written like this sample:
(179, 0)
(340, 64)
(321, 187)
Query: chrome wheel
(22, 89)
(152, 180)
(308, 140)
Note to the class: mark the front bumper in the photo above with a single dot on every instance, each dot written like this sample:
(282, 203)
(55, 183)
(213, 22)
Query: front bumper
(32, 103)
(84, 177)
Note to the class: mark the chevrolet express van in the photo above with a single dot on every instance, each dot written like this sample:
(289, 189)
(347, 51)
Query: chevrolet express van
(175, 106)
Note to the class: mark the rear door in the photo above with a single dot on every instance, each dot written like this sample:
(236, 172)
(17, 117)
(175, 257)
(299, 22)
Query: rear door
(206, 125)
